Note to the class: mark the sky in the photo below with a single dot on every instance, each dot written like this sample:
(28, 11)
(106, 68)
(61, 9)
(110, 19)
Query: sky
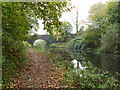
(83, 7)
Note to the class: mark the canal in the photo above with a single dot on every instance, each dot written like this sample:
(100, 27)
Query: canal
(105, 61)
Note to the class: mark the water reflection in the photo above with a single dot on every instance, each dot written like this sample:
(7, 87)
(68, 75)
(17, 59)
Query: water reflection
(109, 62)
(78, 65)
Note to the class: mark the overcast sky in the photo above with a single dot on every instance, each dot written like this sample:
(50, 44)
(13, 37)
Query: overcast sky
(83, 8)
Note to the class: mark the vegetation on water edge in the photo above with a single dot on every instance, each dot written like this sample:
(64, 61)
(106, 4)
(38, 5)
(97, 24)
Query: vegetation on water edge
(53, 45)
(92, 77)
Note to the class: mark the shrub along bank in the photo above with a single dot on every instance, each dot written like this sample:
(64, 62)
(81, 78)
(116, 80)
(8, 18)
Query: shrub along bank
(91, 77)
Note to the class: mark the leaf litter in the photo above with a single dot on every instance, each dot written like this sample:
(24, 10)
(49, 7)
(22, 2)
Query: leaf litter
(40, 72)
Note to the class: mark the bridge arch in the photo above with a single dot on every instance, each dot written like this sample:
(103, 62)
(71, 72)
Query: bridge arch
(48, 38)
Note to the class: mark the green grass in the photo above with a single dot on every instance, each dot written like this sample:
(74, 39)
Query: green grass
(39, 49)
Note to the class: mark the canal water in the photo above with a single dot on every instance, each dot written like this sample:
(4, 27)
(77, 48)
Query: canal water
(108, 62)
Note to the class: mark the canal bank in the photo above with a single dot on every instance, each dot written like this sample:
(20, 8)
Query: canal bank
(82, 72)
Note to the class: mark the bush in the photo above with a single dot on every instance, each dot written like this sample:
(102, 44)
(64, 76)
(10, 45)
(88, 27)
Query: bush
(13, 59)
(76, 43)
(53, 45)
(88, 41)
(26, 44)
(92, 77)
(109, 40)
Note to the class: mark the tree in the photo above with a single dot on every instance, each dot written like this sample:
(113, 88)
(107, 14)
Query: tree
(103, 32)
(110, 39)
(65, 34)
(17, 20)
(104, 18)
(81, 31)
(76, 20)
(97, 15)
(66, 28)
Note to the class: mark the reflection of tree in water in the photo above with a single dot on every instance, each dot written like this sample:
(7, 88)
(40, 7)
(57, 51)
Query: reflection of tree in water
(109, 62)
(79, 59)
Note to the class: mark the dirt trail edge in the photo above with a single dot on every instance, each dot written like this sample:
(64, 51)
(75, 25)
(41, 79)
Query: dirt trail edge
(39, 73)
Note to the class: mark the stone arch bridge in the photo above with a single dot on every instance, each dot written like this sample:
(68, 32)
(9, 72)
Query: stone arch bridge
(49, 38)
